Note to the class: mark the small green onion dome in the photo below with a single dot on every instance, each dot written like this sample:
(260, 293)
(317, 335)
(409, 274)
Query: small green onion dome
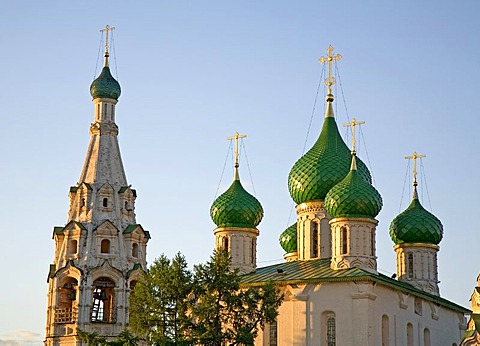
(323, 166)
(105, 86)
(353, 197)
(288, 239)
(416, 225)
(236, 208)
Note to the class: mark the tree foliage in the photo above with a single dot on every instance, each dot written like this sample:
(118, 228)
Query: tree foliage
(125, 338)
(175, 306)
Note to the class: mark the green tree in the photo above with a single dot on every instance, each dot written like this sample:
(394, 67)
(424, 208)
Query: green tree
(125, 338)
(158, 305)
(92, 339)
(173, 306)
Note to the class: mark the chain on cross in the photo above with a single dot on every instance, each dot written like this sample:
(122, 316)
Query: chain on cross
(106, 30)
(415, 156)
(352, 125)
(329, 59)
(235, 138)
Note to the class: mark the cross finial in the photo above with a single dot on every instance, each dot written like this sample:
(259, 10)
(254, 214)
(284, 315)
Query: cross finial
(415, 156)
(352, 124)
(329, 59)
(235, 138)
(106, 30)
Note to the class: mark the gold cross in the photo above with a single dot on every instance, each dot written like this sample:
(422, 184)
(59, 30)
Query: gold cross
(235, 138)
(329, 59)
(106, 30)
(415, 156)
(353, 124)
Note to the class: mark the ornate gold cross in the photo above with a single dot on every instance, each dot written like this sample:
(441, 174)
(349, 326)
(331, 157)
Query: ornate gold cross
(353, 124)
(415, 156)
(106, 30)
(235, 138)
(329, 59)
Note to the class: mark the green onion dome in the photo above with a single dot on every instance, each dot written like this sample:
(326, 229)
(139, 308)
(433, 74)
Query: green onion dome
(236, 208)
(105, 86)
(323, 166)
(288, 239)
(416, 225)
(353, 197)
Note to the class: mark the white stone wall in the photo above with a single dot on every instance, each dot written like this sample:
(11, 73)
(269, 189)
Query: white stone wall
(314, 239)
(241, 245)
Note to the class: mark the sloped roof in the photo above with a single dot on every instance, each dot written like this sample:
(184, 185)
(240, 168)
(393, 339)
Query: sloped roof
(318, 271)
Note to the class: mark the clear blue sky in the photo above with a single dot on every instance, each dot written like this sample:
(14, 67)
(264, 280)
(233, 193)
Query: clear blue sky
(193, 73)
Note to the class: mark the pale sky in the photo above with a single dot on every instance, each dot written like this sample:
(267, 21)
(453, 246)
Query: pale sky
(192, 73)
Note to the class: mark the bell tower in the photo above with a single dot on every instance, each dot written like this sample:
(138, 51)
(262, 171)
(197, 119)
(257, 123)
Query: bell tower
(101, 250)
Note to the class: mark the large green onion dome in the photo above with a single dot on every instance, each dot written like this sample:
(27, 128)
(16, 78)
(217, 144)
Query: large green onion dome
(288, 239)
(416, 225)
(353, 197)
(323, 166)
(105, 86)
(236, 208)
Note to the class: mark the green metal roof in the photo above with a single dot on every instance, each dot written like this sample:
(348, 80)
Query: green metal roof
(416, 225)
(236, 208)
(105, 86)
(353, 197)
(323, 166)
(288, 239)
(318, 271)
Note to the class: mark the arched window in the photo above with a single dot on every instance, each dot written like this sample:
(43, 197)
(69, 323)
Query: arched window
(135, 250)
(82, 202)
(410, 265)
(252, 255)
(105, 246)
(372, 243)
(426, 337)
(385, 331)
(66, 310)
(409, 334)
(344, 240)
(132, 284)
(331, 331)
(272, 341)
(72, 247)
(105, 202)
(225, 243)
(126, 205)
(103, 307)
(418, 306)
(314, 231)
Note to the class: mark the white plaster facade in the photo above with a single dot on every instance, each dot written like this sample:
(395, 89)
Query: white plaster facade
(101, 250)
(241, 244)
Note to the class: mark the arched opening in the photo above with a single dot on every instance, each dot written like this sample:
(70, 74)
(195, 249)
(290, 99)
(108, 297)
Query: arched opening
(66, 310)
(132, 284)
(409, 334)
(328, 329)
(225, 244)
(253, 250)
(135, 250)
(103, 307)
(344, 240)
(410, 265)
(426, 337)
(105, 202)
(385, 331)
(105, 246)
(331, 331)
(314, 233)
(82, 202)
(72, 247)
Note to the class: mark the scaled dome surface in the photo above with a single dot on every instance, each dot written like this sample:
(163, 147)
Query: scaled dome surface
(416, 225)
(105, 86)
(323, 166)
(236, 208)
(288, 239)
(353, 197)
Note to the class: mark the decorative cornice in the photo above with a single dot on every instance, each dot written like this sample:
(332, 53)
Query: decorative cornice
(235, 229)
(103, 129)
(309, 207)
(424, 245)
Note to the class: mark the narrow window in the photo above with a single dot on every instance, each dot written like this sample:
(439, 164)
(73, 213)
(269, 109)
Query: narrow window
(105, 246)
(225, 243)
(98, 111)
(105, 202)
(273, 334)
(385, 331)
(410, 266)
(314, 231)
(372, 243)
(418, 306)
(344, 240)
(82, 202)
(126, 205)
(135, 250)
(331, 332)
(72, 246)
(252, 255)
(426, 337)
(111, 111)
(409, 334)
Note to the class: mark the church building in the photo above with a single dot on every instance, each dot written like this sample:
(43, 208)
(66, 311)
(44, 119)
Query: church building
(334, 295)
(101, 250)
